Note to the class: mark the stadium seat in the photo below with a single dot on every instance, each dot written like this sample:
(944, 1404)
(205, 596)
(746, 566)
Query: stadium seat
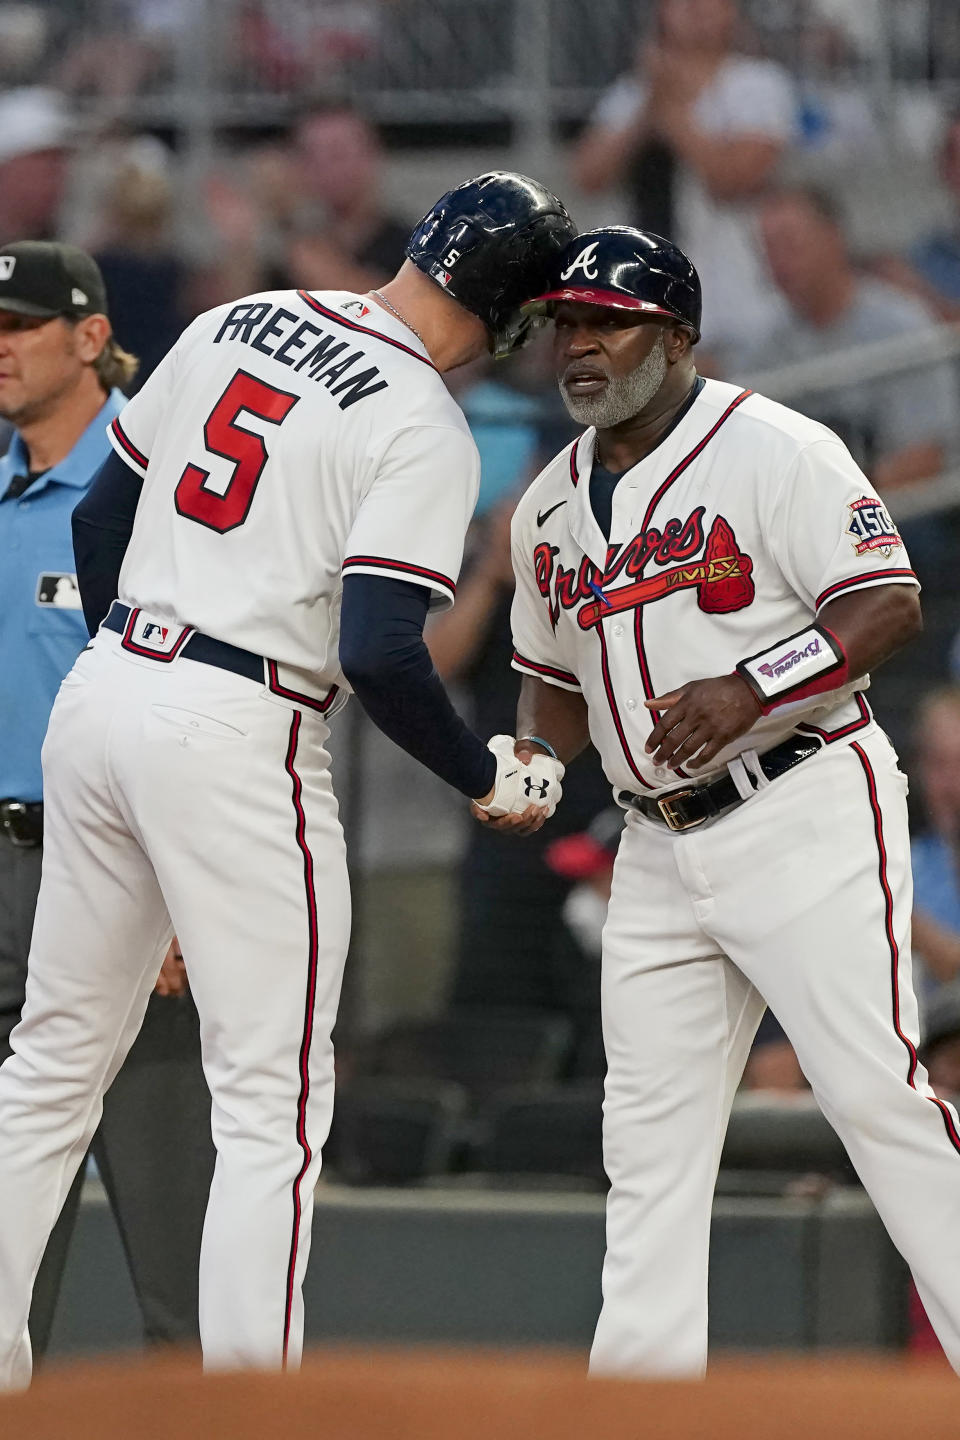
(394, 1132)
(482, 1050)
(589, 1061)
(786, 1137)
(553, 1131)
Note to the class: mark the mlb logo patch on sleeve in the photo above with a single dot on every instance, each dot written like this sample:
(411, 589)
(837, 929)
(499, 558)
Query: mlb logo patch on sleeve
(871, 527)
(59, 588)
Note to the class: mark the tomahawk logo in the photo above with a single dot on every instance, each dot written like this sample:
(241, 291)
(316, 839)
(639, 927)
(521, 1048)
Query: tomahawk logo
(7, 263)
(585, 261)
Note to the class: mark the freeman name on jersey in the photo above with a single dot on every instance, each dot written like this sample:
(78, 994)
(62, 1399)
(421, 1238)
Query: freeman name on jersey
(324, 360)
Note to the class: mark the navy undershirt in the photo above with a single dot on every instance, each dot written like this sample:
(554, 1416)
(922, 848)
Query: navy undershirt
(382, 650)
(603, 482)
(102, 525)
(384, 657)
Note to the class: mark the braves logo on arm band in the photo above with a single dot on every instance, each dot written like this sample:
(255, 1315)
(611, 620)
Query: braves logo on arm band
(807, 663)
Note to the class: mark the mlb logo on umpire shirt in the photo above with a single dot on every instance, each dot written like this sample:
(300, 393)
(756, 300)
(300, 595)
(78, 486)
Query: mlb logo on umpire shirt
(58, 589)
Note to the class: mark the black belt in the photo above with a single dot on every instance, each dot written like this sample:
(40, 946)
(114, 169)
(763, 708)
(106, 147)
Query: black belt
(685, 809)
(202, 648)
(22, 822)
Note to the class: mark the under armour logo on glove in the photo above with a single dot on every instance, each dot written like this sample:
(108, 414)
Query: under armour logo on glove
(519, 785)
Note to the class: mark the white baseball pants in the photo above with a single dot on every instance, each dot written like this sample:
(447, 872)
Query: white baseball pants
(178, 797)
(802, 896)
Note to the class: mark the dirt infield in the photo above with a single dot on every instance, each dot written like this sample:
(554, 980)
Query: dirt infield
(430, 1396)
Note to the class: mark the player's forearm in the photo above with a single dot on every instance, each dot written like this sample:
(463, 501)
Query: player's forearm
(873, 624)
(414, 711)
(852, 635)
(384, 657)
(557, 716)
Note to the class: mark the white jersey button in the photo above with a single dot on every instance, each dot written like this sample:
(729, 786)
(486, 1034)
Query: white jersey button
(618, 631)
(631, 704)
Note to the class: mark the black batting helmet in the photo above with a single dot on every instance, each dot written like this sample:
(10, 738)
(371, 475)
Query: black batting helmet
(626, 269)
(490, 244)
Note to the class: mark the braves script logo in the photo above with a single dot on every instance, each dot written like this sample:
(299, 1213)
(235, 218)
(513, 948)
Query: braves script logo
(774, 669)
(872, 528)
(721, 577)
(585, 261)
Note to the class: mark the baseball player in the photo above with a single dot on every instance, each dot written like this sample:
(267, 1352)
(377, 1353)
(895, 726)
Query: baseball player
(704, 581)
(61, 373)
(288, 498)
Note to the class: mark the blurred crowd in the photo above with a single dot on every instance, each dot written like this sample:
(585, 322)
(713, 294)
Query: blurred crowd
(756, 169)
(118, 49)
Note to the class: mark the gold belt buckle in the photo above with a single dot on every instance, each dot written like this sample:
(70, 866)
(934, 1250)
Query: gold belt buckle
(675, 822)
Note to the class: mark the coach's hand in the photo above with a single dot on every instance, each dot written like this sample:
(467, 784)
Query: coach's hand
(699, 719)
(526, 792)
(172, 979)
(528, 822)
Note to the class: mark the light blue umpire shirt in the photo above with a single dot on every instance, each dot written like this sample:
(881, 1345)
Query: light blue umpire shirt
(42, 629)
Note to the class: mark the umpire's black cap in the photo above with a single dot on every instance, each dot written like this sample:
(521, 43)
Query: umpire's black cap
(625, 269)
(39, 277)
(490, 244)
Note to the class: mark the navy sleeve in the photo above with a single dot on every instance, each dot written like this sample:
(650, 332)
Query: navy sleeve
(384, 657)
(102, 525)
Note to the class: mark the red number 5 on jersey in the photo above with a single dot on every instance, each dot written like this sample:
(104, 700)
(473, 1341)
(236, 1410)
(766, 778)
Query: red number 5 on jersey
(226, 509)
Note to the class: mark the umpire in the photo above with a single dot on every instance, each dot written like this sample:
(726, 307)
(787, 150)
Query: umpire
(61, 379)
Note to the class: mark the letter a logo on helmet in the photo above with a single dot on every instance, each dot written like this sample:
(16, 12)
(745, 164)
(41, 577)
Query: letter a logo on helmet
(585, 261)
(623, 268)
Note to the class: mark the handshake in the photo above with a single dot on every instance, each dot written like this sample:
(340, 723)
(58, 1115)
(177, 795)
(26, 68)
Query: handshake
(525, 793)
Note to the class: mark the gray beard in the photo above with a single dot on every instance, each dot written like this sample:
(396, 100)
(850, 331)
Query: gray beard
(625, 395)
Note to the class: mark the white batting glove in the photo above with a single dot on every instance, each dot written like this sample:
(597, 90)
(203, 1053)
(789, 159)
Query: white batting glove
(518, 785)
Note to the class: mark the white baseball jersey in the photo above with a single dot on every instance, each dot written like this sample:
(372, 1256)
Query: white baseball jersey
(284, 440)
(744, 521)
